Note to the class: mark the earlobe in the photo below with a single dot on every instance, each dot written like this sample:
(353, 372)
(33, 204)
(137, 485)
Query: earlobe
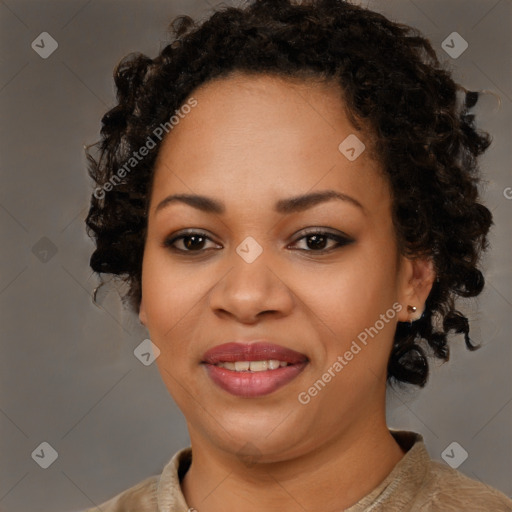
(142, 313)
(416, 279)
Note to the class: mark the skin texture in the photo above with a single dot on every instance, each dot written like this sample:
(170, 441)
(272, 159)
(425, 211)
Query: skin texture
(251, 141)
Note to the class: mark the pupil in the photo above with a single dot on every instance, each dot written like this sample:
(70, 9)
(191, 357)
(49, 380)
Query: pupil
(191, 242)
(318, 241)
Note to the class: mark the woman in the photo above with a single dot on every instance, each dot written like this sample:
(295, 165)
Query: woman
(290, 191)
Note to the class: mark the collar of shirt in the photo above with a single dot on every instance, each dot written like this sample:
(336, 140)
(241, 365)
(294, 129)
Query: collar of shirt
(406, 478)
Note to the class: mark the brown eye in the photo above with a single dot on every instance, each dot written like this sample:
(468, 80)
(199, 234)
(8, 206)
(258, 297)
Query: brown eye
(322, 241)
(193, 242)
(316, 241)
(188, 242)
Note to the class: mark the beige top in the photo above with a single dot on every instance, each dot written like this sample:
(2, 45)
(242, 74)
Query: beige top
(416, 484)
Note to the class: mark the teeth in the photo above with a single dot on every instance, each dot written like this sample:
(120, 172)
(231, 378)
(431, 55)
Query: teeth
(253, 366)
(258, 366)
(274, 364)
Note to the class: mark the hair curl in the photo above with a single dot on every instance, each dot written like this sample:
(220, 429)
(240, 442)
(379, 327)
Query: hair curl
(392, 83)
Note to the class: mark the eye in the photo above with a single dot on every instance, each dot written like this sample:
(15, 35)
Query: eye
(190, 241)
(316, 240)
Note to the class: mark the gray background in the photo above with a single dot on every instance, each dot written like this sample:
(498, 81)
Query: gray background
(68, 375)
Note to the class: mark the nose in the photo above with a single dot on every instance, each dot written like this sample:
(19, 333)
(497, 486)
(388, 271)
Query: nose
(250, 291)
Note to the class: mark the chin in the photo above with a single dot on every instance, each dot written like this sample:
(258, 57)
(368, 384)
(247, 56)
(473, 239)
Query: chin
(266, 435)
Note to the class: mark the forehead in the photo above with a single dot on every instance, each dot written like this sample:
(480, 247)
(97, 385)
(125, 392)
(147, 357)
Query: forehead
(261, 132)
(251, 110)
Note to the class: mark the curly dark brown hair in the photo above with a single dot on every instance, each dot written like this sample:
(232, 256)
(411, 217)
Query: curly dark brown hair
(393, 85)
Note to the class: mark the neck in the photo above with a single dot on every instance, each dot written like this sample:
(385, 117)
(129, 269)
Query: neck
(334, 476)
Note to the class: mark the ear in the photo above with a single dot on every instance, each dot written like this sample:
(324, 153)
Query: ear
(416, 277)
(142, 313)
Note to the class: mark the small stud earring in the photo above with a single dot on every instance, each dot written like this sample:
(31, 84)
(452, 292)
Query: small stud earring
(411, 309)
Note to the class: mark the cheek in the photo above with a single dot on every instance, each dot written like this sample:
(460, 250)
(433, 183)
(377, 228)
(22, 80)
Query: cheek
(352, 295)
(355, 304)
(172, 300)
(170, 289)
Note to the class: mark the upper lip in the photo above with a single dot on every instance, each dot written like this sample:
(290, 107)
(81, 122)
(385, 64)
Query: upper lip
(254, 351)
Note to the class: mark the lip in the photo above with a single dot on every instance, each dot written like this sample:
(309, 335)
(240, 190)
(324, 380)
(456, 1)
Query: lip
(255, 351)
(252, 384)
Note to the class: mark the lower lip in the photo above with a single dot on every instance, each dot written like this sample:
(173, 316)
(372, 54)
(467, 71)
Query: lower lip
(253, 384)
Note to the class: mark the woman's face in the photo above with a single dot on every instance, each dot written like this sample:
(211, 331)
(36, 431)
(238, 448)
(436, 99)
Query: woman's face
(284, 252)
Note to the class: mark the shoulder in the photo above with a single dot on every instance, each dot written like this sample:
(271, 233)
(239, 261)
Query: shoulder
(142, 497)
(154, 493)
(420, 484)
(446, 489)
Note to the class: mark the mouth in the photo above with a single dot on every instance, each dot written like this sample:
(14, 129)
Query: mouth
(253, 370)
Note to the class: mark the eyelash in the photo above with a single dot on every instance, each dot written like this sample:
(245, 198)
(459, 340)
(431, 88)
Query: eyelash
(341, 241)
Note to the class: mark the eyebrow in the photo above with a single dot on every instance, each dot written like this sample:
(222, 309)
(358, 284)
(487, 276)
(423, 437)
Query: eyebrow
(285, 206)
